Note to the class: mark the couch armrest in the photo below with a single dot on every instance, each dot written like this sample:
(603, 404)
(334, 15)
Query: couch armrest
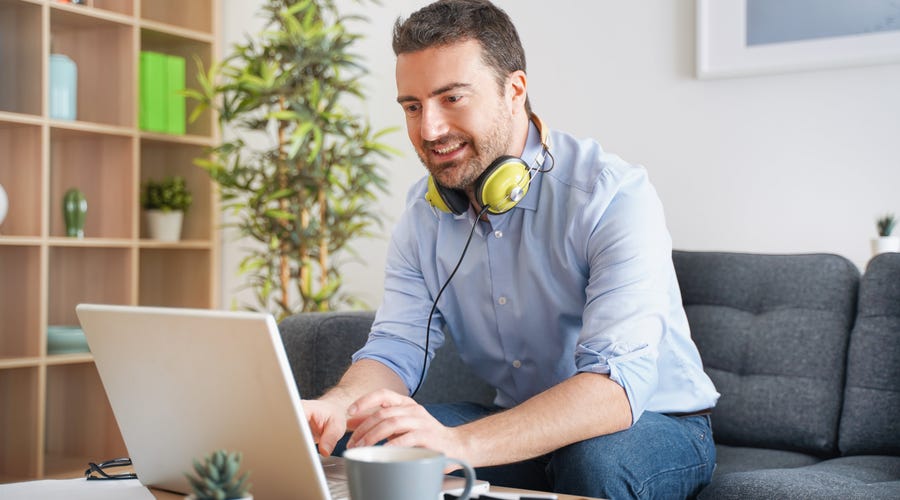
(319, 347)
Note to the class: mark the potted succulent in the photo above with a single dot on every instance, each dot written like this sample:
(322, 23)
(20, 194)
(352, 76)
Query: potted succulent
(164, 204)
(217, 478)
(885, 242)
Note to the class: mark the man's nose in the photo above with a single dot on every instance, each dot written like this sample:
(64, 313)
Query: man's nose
(433, 125)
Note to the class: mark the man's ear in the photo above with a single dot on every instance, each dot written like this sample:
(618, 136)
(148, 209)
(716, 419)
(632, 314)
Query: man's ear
(517, 89)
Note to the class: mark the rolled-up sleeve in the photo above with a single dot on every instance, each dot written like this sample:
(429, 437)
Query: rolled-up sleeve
(628, 293)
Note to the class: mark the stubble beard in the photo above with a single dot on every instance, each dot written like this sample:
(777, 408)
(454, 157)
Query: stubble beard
(462, 174)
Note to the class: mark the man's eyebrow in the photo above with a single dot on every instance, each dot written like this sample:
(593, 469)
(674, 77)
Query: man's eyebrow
(436, 92)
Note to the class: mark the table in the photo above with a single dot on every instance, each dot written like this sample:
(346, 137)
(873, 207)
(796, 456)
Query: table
(165, 495)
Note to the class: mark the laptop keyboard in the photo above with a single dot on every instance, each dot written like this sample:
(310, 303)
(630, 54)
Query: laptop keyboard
(336, 477)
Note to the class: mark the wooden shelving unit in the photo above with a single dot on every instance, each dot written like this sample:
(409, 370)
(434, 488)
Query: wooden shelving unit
(54, 416)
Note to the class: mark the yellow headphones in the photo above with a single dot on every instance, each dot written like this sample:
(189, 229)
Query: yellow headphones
(499, 188)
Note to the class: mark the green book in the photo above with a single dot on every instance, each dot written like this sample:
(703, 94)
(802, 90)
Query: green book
(174, 98)
(154, 106)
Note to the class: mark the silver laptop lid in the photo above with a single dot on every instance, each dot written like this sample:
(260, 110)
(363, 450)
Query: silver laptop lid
(183, 383)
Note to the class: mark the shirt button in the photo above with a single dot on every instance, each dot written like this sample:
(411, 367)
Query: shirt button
(501, 301)
(498, 234)
(517, 364)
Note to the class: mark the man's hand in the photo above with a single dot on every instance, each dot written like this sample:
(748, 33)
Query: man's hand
(327, 421)
(386, 415)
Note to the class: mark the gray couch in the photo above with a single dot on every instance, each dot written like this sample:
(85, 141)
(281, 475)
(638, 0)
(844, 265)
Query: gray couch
(805, 352)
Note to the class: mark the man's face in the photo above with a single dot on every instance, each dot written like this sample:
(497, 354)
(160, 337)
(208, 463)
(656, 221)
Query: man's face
(456, 117)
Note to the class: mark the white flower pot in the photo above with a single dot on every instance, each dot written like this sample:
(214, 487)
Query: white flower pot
(164, 226)
(884, 244)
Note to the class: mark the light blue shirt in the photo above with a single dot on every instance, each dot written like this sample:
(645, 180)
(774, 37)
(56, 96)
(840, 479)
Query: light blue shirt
(578, 277)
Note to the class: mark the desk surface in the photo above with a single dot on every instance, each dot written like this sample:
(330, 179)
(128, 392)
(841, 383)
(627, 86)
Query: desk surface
(164, 495)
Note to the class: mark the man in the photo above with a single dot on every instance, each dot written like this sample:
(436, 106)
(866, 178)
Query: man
(567, 303)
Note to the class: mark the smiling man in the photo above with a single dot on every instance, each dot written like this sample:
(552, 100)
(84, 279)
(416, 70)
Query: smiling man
(563, 294)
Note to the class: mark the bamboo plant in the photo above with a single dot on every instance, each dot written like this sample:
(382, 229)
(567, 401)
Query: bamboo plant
(309, 189)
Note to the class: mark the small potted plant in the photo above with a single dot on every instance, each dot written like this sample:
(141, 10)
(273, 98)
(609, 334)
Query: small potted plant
(885, 242)
(165, 203)
(217, 478)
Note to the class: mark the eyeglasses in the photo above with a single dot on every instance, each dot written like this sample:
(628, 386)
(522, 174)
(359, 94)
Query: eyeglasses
(97, 472)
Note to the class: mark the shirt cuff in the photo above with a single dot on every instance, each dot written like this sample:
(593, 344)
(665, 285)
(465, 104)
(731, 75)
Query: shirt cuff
(631, 366)
(401, 356)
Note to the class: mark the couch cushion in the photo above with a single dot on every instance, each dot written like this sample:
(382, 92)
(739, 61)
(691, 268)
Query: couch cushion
(742, 459)
(871, 416)
(861, 478)
(772, 331)
(319, 347)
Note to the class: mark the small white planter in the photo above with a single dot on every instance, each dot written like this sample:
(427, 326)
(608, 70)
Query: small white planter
(884, 244)
(164, 226)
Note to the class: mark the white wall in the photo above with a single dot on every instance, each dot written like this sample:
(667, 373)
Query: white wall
(789, 163)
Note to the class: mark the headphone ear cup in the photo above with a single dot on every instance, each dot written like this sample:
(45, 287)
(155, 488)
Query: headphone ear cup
(503, 184)
(452, 201)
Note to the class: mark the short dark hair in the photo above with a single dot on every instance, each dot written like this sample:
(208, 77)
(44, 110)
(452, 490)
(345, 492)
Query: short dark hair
(446, 22)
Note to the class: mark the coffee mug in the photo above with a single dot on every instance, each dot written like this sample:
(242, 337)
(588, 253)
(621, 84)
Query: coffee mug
(398, 473)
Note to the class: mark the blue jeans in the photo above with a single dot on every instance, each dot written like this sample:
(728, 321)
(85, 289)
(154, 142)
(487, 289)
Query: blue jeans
(660, 456)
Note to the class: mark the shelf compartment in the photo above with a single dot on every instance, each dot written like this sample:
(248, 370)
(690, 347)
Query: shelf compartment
(103, 51)
(96, 275)
(19, 429)
(125, 7)
(160, 159)
(196, 15)
(173, 277)
(21, 52)
(98, 165)
(20, 176)
(80, 425)
(20, 301)
(187, 48)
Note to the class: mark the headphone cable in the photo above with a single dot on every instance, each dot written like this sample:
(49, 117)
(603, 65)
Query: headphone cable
(440, 292)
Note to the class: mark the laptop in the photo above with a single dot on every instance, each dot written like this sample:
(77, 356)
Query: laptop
(183, 383)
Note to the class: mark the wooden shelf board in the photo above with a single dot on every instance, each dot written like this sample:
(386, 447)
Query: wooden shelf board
(16, 241)
(20, 118)
(189, 139)
(19, 363)
(183, 244)
(91, 127)
(158, 29)
(90, 242)
(69, 359)
(83, 16)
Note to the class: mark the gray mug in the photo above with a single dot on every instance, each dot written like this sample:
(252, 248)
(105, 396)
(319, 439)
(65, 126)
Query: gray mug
(398, 473)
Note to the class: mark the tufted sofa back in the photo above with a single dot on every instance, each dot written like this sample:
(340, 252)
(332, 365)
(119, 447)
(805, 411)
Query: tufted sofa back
(773, 332)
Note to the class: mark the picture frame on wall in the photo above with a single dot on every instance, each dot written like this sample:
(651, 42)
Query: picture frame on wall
(754, 37)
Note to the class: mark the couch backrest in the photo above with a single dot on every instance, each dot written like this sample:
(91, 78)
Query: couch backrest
(319, 346)
(870, 423)
(772, 331)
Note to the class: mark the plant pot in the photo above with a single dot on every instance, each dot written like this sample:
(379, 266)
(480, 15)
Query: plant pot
(164, 225)
(884, 244)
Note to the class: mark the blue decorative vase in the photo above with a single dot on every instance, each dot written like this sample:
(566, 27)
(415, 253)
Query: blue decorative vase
(63, 87)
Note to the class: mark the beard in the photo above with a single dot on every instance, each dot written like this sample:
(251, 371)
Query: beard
(462, 173)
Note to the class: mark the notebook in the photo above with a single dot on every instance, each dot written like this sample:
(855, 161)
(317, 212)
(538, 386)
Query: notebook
(184, 382)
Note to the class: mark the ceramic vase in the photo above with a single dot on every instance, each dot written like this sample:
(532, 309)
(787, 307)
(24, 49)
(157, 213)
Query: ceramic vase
(63, 87)
(74, 212)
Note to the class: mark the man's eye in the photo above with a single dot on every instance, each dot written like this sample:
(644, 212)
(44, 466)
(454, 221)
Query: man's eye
(411, 109)
(454, 98)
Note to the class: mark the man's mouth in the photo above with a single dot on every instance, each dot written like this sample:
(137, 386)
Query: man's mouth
(448, 148)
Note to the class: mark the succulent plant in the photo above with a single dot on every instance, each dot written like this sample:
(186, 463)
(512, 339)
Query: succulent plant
(216, 478)
(168, 194)
(886, 225)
